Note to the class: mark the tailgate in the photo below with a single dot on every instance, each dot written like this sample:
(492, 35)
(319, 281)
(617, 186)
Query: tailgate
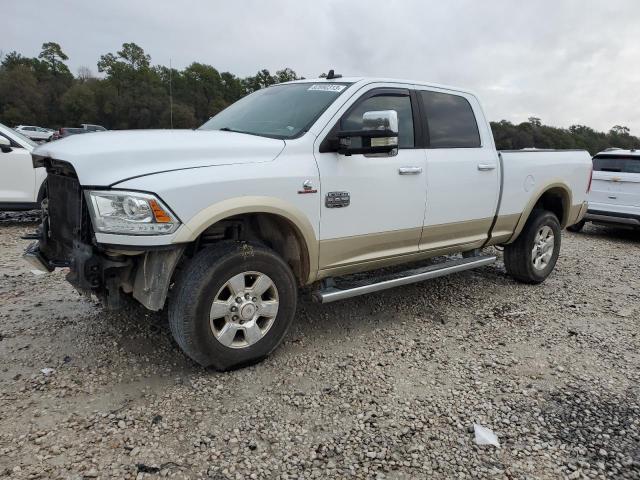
(616, 180)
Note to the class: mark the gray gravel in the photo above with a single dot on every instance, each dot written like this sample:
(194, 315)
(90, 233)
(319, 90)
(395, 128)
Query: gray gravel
(382, 386)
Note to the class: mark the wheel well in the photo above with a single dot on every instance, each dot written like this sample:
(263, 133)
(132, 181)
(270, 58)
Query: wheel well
(275, 231)
(556, 201)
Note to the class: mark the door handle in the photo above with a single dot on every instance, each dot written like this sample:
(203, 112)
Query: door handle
(410, 170)
(483, 167)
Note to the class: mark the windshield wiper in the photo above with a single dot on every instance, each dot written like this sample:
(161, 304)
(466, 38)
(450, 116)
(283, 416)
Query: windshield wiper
(227, 129)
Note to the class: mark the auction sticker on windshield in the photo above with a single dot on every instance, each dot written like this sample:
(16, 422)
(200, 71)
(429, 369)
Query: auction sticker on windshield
(327, 88)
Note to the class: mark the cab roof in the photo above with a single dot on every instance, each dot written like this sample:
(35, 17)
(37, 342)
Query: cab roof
(367, 80)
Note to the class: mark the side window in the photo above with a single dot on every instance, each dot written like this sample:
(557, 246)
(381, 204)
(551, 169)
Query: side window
(451, 121)
(399, 103)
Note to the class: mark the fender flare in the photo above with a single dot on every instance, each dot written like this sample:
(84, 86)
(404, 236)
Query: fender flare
(565, 193)
(255, 204)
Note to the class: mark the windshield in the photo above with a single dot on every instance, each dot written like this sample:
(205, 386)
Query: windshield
(280, 111)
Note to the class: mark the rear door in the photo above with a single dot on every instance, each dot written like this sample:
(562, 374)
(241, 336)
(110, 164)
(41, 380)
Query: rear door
(463, 171)
(616, 183)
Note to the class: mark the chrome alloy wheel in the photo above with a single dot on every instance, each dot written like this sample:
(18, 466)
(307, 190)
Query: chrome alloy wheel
(244, 309)
(543, 245)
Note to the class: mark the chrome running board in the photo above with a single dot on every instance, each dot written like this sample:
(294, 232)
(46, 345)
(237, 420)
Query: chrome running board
(332, 294)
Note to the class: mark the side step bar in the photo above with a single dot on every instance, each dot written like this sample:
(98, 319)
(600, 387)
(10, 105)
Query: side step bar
(332, 294)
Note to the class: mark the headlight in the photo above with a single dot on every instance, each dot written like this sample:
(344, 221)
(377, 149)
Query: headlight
(131, 213)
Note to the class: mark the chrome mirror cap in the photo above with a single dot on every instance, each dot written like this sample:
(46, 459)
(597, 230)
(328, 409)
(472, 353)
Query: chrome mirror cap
(380, 120)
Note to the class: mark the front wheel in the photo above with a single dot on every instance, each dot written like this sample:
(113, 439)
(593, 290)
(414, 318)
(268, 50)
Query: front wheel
(532, 257)
(233, 305)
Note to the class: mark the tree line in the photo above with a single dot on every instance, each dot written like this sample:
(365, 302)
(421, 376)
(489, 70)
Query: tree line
(132, 93)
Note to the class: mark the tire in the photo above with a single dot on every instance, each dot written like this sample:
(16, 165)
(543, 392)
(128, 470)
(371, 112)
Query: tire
(42, 192)
(519, 255)
(576, 227)
(225, 339)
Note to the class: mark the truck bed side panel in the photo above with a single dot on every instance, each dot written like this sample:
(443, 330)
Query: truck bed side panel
(528, 174)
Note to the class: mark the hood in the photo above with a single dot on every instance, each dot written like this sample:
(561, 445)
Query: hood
(106, 158)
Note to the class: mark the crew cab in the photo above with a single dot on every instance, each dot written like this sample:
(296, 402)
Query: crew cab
(21, 185)
(298, 185)
(615, 194)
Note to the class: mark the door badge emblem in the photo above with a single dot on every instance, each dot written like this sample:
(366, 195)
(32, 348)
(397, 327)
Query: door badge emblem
(337, 199)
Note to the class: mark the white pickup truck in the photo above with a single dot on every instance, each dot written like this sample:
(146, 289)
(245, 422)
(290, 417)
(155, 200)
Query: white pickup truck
(296, 185)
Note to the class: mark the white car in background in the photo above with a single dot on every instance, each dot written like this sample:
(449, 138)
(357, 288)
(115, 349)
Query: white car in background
(615, 190)
(21, 185)
(37, 134)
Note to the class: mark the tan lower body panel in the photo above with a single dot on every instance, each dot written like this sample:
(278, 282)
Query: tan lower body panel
(503, 229)
(363, 248)
(343, 256)
(458, 233)
(577, 213)
(397, 260)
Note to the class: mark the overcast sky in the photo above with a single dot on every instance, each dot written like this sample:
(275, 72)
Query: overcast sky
(565, 61)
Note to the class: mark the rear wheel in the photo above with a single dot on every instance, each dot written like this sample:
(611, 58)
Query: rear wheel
(532, 257)
(233, 305)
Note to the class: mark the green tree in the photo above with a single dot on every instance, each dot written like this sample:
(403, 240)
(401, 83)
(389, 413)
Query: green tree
(79, 104)
(21, 100)
(619, 130)
(53, 57)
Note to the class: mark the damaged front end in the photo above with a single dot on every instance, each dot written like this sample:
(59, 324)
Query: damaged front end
(66, 238)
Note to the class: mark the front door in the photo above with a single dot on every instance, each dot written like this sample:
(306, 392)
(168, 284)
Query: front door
(380, 203)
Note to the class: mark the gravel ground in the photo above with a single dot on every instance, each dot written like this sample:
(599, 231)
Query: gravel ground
(382, 386)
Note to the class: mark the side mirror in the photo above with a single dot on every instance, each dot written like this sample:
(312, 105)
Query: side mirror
(5, 144)
(379, 134)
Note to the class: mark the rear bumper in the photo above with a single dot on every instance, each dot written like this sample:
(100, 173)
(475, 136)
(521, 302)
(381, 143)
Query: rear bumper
(613, 218)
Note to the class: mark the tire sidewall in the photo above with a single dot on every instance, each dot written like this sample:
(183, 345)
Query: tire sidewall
(544, 219)
(243, 258)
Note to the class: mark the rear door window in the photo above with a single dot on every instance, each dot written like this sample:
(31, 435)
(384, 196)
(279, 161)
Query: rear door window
(450, 119)
(617, 163)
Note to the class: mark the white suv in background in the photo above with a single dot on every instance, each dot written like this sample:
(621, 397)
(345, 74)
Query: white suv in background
(615, 189)
(38, 134)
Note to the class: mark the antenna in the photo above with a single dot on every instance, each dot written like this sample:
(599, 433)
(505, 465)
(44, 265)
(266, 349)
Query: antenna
(331, 75)
(170, 95)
